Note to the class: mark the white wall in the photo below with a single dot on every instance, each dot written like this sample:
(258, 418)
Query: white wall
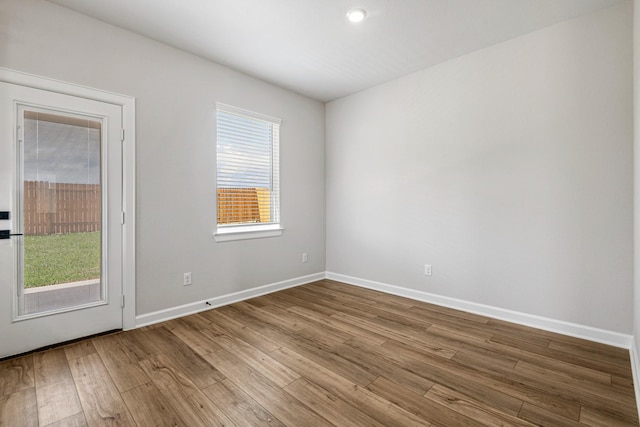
(509, 170)
(176, 94)
(636, 180)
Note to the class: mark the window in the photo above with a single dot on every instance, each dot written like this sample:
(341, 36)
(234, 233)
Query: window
(248, 182)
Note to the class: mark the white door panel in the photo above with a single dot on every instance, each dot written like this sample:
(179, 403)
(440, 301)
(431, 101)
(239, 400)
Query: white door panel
(42, 143)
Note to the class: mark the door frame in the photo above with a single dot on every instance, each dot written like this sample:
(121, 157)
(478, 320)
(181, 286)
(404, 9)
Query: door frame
(127, 103)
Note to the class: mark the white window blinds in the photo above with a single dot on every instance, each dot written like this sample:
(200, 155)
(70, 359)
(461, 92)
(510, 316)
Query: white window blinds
(248, 184)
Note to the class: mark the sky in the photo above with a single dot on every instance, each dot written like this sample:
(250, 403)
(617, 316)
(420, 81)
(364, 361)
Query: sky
(243, 151)
(63, 153)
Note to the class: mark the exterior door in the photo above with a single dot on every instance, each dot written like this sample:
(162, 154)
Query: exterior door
(61, 189)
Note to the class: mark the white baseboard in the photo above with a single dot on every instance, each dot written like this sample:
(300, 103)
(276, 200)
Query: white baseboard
(566, 328)
(196, 307)
(635, 370)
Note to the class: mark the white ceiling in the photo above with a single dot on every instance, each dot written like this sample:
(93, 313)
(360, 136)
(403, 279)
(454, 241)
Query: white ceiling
(310, 47)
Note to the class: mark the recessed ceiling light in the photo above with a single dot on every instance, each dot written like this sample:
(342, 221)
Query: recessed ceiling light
(356, 15)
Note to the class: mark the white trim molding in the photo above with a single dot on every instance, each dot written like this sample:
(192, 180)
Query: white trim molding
(207, 304)
(635, 370)
(603, 336)
(128, 105)
(247, 232)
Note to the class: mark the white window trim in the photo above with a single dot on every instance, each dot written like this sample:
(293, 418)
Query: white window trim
(247, 231)
(242, 112)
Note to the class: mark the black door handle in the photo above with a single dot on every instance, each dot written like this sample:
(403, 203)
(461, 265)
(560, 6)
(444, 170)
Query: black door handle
(5, 234)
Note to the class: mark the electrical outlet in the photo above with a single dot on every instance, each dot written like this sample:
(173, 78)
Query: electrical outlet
(304, 257)
(186, 280)
(427, 269)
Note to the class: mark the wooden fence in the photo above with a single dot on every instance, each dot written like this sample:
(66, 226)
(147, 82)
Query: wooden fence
(243, 205)
(55, 208)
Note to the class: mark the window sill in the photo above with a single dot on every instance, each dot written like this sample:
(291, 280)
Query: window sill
(247, 232)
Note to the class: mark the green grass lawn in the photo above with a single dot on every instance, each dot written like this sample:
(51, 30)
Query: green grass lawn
(61, 258)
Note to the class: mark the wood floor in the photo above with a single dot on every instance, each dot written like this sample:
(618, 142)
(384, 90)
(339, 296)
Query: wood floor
(323, 354)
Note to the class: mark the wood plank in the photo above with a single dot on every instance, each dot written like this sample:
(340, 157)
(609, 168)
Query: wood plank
(55, 389)
(309, 347)
(504, 356)
(336, 290)
(391, 333)
(264, 316)
(169, 325)
(326, 333)
(201, 373)
(139, 345)
(79, 349)
(272, 317)
(124, 370)
(242, 331)
(347, 298)
(19, 409)
(619, 358)
(419, 405)
(276, 300)
(195, 339)
(259, 361)
(16, 375)
(335, 410)
(606, 400)
(492, 390)
(191, 403)
(76, 420)
(410, 330)
(428, 316)
(579, 387)
(622, 383)
(292, 320)
(272, 333)
(520, 341)
(473, 409)
(378, 408)
(360, 352)
(240, 407)
(521, 332)
(344, 304)
(287, 298)
(472, 353)
(194, 321)
(363, 293)
(332, 305)
(596, 418)
(285, 407)
(553, 337)
(149, 408)
(454, 322)
(352, 330)
(384, 313)
(100, 399)
(484, 362)
(451, 312)
(542, 417)
(580, 360)
(387, 308)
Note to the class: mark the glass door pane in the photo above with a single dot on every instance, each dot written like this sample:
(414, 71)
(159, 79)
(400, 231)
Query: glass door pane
(60, 171)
